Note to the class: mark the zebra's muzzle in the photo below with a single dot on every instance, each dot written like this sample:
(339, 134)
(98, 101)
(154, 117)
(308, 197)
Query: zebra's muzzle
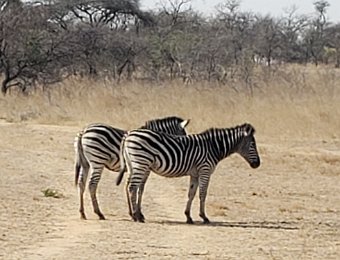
(255, 164)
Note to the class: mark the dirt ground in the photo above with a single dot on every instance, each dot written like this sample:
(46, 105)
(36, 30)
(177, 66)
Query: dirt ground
(289, 208)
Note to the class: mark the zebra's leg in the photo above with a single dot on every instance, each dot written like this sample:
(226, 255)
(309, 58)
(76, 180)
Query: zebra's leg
(137, 175)
(128, 181)
(191, 194)
(82, 183)
(95, 178)
(203, 187)
(140, 196)
(132, 197)
(128, 196)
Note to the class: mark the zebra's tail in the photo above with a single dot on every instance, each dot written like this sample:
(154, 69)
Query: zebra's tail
(80, 159)
(121, 161)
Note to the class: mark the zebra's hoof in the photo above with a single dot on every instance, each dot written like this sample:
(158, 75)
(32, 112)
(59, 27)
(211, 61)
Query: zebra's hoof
(101, 216)
(189, 221)
(206, 221)
(138, 216)
(134, 217)
(82, 216)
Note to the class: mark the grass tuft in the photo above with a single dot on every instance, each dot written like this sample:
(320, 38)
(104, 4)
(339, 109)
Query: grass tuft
(52, 193)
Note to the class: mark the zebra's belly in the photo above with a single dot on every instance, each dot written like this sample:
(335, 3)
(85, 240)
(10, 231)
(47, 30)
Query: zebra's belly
(174, 174)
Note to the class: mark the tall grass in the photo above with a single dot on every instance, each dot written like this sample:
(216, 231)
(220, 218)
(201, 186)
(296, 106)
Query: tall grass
(302, 101)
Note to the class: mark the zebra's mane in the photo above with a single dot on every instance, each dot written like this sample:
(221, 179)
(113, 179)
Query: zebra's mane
(160, 120)
(247, 127)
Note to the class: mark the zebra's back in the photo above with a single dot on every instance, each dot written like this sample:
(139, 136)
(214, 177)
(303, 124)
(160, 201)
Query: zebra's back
(167, 155)
(101, 144)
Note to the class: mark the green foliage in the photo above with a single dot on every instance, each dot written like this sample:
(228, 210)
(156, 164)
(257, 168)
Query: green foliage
(52, 193)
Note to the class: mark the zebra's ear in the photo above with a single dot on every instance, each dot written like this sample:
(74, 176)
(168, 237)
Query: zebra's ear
(184, 123)
(248, 130)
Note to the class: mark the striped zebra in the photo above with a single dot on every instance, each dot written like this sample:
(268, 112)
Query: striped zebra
(170, 156)
(98, 146)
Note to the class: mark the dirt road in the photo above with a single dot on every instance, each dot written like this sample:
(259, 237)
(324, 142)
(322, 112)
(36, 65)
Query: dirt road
(289, 208)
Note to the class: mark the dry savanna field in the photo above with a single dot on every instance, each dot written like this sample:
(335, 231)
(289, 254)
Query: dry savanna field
(288, 208)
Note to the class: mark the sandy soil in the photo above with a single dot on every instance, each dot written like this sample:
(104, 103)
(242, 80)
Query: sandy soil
(289, 208)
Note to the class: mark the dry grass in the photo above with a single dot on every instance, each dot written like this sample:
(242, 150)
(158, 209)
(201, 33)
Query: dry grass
(299, 100)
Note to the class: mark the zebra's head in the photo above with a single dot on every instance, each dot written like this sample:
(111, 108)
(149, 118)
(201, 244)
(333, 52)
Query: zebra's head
(247, 147)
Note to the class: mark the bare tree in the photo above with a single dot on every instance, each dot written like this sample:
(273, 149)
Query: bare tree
(268, 38)
(117, 14)
(175, 10)
(29, 44)
(333, 43)
(292, 26)
(314, 37)
(234, 31)
(169, 39)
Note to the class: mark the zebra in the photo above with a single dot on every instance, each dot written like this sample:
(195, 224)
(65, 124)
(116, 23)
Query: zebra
(170, 156)
(98, 146)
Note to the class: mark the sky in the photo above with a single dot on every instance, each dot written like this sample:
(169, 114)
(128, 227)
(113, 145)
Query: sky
(273, 7)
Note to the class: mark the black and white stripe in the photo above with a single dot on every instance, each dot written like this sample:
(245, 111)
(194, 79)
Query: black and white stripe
(176, 156)
(98, 146)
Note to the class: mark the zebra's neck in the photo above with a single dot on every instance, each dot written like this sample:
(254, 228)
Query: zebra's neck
(224, 141)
